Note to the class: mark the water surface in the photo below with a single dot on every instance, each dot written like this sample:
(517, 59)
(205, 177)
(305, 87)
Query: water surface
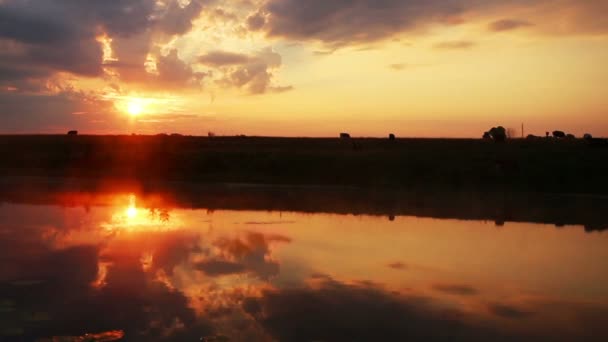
(144, 268)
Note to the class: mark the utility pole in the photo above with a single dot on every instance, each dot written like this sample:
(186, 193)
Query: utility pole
(522, 130)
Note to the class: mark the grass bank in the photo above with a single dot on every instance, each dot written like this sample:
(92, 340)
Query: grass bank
(543, 165)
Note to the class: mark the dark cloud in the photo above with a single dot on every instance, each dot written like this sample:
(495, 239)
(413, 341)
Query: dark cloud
(347, 22)
(352, 21)
(175, 73)
(256, 21)
(397, 265)
(50, 36)
(334, 311)
(177, 20)
(25, 112)
(250, 254)
(222, 58)
(456, 289)
(220, 267)
(54, 291)
(508, 311)
(253, 72)
(507, 25)
(455, 45)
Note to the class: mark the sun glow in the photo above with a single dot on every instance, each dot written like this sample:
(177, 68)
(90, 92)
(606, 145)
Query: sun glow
(135, 107)
(131, 218)
(131, 211)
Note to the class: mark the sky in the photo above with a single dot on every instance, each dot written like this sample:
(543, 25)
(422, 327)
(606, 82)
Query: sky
(416, 68)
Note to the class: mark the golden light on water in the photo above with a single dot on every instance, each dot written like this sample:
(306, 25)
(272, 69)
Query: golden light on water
(131, 210)
(129, 217)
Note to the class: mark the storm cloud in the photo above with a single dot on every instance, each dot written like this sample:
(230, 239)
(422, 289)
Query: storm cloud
(254, 72)
(63, 36)
(348, 22)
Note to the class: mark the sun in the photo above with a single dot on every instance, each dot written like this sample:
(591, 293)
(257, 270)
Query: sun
(135, 107)
(131, 212)
(131, 209)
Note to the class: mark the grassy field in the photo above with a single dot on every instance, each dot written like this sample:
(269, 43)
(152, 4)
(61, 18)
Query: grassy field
(543, 165)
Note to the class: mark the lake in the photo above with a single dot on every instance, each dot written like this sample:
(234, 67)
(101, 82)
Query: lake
(242, 264)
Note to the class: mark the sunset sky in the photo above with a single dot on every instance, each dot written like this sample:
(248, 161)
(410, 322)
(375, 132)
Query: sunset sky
(432, 68)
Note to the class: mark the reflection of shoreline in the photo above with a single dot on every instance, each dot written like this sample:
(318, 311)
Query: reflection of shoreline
(559, 210)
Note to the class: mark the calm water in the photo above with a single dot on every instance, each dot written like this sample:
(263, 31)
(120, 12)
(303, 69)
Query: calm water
(121, 267)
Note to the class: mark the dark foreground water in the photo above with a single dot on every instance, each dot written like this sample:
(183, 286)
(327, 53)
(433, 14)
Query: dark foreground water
(118, 266)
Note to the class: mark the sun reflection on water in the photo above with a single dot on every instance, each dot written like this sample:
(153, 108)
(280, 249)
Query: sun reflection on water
(136, 219)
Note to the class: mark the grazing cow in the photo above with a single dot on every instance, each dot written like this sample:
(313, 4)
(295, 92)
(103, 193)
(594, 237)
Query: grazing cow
(73, 133)
(344, 136)
(559, 134)
(391, 136)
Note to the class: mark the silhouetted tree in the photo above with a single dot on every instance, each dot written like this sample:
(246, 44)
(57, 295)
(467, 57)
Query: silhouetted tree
(559, 134)
(497, 134)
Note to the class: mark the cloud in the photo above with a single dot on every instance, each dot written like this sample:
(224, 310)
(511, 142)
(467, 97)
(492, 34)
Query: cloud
(352, 21)
(398, 66)
(256, 21)
(53, 36)
(253, 72)
(508, 311)
(507, 25)
(456, 289)
(222, 58)
(355, 22)
(175, 73)
(455, 45)
(397, 265)
(249, 254)
(51, 112)
(220, 267)
(336, 311)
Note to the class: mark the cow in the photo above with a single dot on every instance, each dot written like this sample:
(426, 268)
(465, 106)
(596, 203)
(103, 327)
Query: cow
(344, 136)
(73, 133)
(559, 134)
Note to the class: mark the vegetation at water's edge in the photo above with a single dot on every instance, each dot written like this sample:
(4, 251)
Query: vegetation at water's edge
(547, 165)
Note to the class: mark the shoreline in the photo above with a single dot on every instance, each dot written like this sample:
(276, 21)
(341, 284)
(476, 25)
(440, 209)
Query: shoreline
(499, 207)
(543, 166)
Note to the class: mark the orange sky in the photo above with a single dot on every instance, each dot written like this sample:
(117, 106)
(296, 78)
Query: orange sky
(291, 68)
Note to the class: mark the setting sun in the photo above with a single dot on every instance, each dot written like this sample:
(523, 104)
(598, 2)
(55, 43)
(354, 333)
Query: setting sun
(135, 107)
